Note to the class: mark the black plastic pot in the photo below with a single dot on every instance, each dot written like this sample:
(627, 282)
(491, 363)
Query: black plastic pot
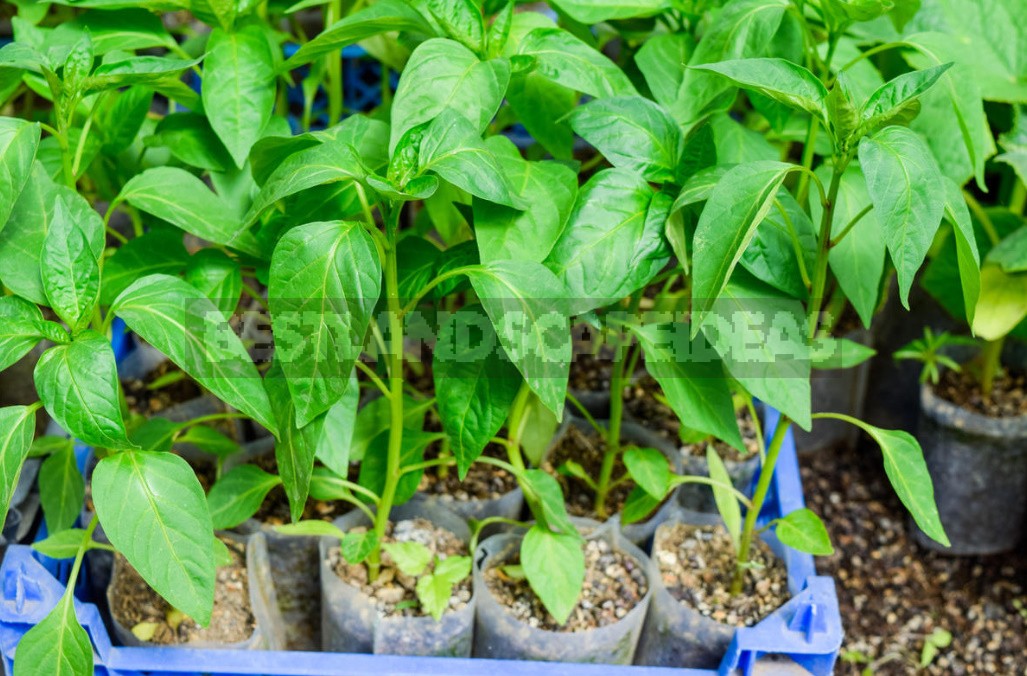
(979, 468)
(836, 391)
(350, 621)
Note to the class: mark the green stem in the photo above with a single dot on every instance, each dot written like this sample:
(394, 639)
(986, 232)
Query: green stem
(796, 244)
(84, 546)
(1018, 199)
(706, 481)
(802, 190)
(585, 414)
(618, 380)
(426, 289)
(991, 363)
(515, 428)
(758, 498)
(856, 219)
(816, 298)
(488, 521)
(757, 427)
(982, 216)
(373, 377)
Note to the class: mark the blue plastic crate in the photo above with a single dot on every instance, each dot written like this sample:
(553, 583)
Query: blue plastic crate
(807, 628)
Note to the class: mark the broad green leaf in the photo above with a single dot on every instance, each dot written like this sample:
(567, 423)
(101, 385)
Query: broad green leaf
(839, 353)
(452, 148)
(692, 379)
(545, 498)
(325, 281)
(313, 527)
(238, 495)
(358, 546)
(1010, 254)
(461, 20)
(762, 337)
(804, 531)
(62, 545)
(777, 79)
(541, 105)
(18, 142)
(135, 70)
(123, 30)
(20, 329)
(771, 257)
(435, 590)
(57, 646)
(296, 445)
(21, 240)
(152, 508)
(183, 200)
(334, 447)
(238, 87)
(1002, 303)
(374, 466)
(900, 90)
(125, 117)
(61, 490)
(186, 326)
(540, 425)
(613, 243)
(904, 464)
(742, 29)
(189, 137)
(857, 261)
(633, 133)
(159, 250)
(475, 384)
(662, 59)
(17, 424)
(444, 75)
(155, 434)
(555, 566)
(526, 304)
(649, 469)
(78, 384)
(904, 184)
(546, 188)
(384, 16)
(410, 557)
(71, 266)
(596, 11)
(217, 276)
(727, 503)
(739, 202)
(567, 61)
(367, 136)
(967, 256)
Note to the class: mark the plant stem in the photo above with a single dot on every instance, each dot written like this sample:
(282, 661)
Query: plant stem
(392, 472)
(516, 427)
(585, 414)
(758, 498)
(802, 190)
(333, 67)
(816, 297)
(856, 219)
(1018, 199)
(83, 547)
(991, 363)
(982, 216)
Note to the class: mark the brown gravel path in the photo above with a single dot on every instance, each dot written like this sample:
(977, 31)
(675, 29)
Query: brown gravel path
(894, 594)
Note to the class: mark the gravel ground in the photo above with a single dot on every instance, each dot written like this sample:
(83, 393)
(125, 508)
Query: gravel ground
(894, 594)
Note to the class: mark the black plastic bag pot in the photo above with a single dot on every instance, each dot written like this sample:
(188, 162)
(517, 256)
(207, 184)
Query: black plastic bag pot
(979, 468)
(351, 622)
(269, 630)
(500, 635)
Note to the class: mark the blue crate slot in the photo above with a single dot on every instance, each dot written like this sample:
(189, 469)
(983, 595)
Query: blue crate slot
(807, 628)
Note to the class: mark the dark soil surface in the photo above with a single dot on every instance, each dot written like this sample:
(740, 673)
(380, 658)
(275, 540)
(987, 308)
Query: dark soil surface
(644, 402)
(697, 564)
(725, 451)
(145, 401)
(483, 482)
(231, 622)
(587, 449)
(614, 584)
(894, 594)
(394, 592)
(1008, 397)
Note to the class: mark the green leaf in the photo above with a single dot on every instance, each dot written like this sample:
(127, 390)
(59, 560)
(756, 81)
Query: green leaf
(858, 260)
(410, 557)
(189, 137)
(1002, 304)
(20, 329)
(777, 79)
(435, 590)
(383, 16)
(62, 545)
(358, 546)
(545, 497)
(444, 75)
(62, 490)
(217, 276)
(555, 566)
(222, 557)
(123, 30)
(376, 417)
(839, 353)
(1010, 254)
(461, 20)
(525, 303)
(803, 530)
(771, 255)
(335, 445)
(542, 105)
(136, 70)
(475, 385)
(182, 199)
(596, 11)
(57, 646)
(78, 384)
(238, 495)
(903, 182)
(566, 60)
(314, 527)
(17, 424)
(179, 321)
(71, 266)
(662, 59)
(153, 510)
(900, 90)
(739, 202)
(18, 142)
(727, 503)
(613, 243)
(540, 424)
(693, 380)
(324, 283)
(374, 467)
(547, 189)
(155, 434)
(633, 133)
(296, 445)
(159, 250)
(649, 469)
(638, 506)
(967, 256)
(238, 87)
(209, 440)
